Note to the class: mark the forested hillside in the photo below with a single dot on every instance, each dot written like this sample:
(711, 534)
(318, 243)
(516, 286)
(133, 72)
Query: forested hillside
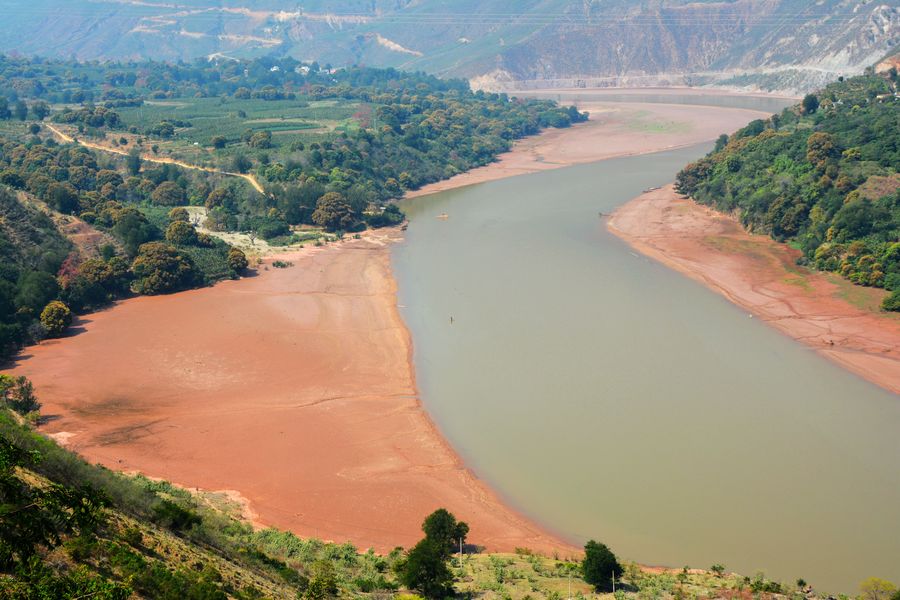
(822, 176)
(324, 150)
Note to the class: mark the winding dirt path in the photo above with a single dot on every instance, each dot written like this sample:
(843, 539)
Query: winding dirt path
(154, 159)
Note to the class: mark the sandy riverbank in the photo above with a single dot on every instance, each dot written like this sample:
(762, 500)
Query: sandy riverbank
(824, 312)
(615, 129)
(293, 387)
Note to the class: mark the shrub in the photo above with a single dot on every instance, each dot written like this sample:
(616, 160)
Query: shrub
(56, 318)
(892, 302)
(237, 260)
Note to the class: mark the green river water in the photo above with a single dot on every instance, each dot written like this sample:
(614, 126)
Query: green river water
(608, 397)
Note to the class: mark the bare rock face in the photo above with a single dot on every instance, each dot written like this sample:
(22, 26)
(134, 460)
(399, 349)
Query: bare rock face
(777, 44)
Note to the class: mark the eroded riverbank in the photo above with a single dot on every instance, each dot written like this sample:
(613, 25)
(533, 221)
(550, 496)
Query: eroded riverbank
(761, 275)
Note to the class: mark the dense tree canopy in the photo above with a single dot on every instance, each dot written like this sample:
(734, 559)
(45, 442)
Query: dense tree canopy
(824, 176)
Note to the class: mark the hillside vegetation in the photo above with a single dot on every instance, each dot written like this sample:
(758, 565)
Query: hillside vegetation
(275, 149)
(823, 176)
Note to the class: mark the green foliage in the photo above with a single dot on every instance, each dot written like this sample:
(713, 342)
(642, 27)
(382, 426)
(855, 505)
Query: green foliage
(181, 233)
(599, 565)
(17, 394)
(425, 568)
(334, 213)
(237, 260)
(168, 193)
(426, 571)
(33, 517)
(442, 527)
(56, 318)
(160, 268)
(825, 177)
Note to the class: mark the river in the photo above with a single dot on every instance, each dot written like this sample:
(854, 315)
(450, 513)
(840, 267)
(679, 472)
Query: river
(608, 397)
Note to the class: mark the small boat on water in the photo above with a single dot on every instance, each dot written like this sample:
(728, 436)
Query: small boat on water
(652, 189)
(443, 216)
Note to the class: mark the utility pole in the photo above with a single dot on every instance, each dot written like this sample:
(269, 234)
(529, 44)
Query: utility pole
(460, 553)
(614, 581)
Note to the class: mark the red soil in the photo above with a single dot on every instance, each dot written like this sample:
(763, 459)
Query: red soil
(293, 387)
(761, 275)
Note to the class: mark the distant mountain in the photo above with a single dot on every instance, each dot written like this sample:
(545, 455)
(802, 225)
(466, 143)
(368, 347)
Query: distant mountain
(778, 44)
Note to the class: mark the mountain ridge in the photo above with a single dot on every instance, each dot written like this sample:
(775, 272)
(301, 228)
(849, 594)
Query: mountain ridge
(774, 45)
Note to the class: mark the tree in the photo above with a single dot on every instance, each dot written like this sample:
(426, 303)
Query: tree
(237, 260)
(875, 588)
(160, 268)
(425, 567)
(62, 197)
(218, 141)
(5, 113)
(810, 104)
(241, 164)
(181, 233)
(425, 570)
(179, 213)
(56, 318)
(599, 565)
(21, 110)
(323, 583)
(442, 527)
(36, 289)
(333, 212)
(261, 139)
(168, 193)
(133, 161)
(41, 110)
(18, 394)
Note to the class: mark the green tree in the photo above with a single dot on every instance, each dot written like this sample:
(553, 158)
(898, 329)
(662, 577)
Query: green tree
(599, 565)
(133, 161)
(425, 570)
(160, 268)
(168, 193)
(323, 581)
(21, 110)
(181, 233)
(218, 142)
(333, 212)
(179, 213)
(237, 260)
(442, 527)
(241, 164)
(36, 289)
(18, 394)
(56, 318)
(810, 104)
(62, 197)
(40, 110)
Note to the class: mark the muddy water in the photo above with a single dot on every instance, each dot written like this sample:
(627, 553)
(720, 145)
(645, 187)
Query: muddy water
(608, 397)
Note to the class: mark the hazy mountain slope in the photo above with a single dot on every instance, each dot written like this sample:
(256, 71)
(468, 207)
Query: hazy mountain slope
(801, 42)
